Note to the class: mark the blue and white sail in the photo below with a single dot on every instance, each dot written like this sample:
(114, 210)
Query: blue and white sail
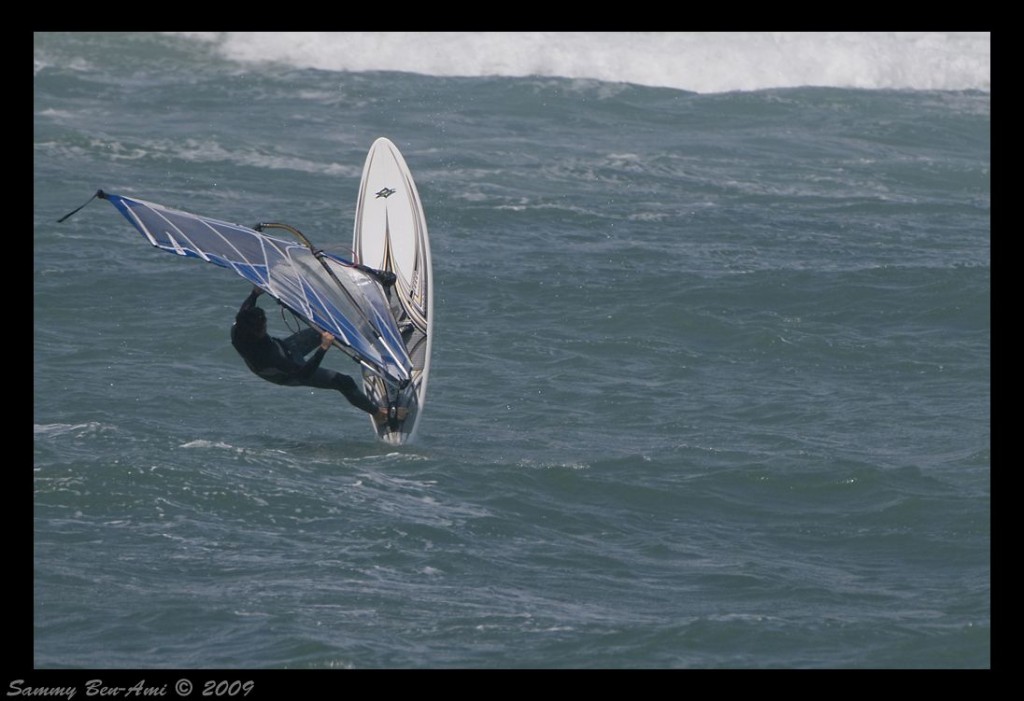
(326, 290)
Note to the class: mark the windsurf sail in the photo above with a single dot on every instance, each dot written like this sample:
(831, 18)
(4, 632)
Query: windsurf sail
(325, 290)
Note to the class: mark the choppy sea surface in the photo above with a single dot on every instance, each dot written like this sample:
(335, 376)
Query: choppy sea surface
(710, 389)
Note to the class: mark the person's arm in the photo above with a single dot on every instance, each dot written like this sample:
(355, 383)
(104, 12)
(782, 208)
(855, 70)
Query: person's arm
(250, 301)
(326, 339)
(240, 345)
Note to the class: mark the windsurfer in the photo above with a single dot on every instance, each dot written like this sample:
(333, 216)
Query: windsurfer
(284, 362)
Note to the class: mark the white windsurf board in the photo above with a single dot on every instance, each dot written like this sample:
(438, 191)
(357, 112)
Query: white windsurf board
(391, 235)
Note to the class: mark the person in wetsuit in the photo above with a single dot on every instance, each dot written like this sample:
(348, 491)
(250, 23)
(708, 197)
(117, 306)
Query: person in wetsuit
(284, 362)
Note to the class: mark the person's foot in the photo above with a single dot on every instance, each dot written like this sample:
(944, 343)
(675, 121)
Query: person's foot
(383, 414)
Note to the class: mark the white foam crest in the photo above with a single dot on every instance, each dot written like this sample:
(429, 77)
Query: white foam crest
(80, 429)
(703, 62)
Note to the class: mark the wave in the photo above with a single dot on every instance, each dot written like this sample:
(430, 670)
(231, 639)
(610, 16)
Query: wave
(703, 62)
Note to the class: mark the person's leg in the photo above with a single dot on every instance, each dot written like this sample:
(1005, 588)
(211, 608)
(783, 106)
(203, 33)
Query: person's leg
(348, 387)
(323, 378)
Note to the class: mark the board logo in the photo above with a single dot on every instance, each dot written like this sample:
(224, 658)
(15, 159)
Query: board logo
(385, 192)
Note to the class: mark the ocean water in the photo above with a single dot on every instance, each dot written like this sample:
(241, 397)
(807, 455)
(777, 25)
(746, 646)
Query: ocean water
(711, 382)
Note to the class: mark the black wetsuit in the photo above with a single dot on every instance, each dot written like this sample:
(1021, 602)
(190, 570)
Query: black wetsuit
(283, 361)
